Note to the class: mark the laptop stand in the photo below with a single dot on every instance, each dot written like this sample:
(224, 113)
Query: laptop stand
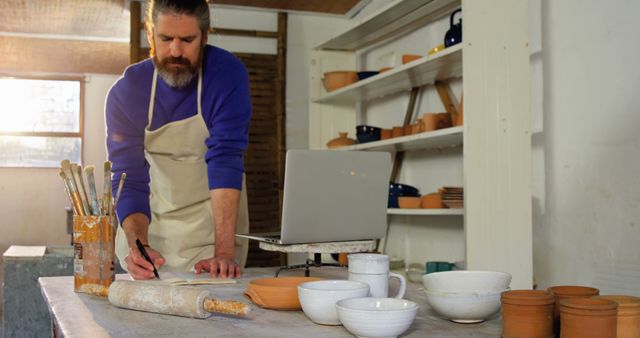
(317, 249)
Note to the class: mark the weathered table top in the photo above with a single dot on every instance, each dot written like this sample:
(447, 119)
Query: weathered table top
(83, 315)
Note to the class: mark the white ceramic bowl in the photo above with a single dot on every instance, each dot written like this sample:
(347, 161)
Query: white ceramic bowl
(376, 317)
(465, 307)
(466, 281)
(318, 299)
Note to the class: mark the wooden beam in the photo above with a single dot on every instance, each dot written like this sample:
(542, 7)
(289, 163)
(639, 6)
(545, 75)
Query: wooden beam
(318, 6)
(241, 32)
(134, 33)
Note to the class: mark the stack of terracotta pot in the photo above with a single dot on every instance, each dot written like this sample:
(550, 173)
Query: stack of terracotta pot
(569, 312)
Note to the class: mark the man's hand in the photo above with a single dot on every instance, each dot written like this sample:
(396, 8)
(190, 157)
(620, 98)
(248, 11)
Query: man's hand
(138, 267)
(219, 266)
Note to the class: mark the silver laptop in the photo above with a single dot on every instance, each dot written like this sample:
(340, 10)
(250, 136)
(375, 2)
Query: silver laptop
(332, 196)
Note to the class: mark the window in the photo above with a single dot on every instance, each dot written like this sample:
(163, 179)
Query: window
(41, 121)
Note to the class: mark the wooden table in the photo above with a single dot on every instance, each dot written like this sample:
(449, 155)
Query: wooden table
(82, 315)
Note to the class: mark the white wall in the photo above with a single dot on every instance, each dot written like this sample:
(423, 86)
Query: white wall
(586, 165)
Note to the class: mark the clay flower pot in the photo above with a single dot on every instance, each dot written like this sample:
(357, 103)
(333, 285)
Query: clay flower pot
(408, 202)
(406, 129)
(431, 201)
(444, 120)
(588, 318)
(340, 141)
(386, 134)
(568, 291)
(430, 121)
(527, 314)
(338, 79)
(397, 131)
(628, 322)
(406, 58)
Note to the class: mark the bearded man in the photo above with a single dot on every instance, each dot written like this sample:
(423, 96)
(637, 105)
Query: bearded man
(177, 125)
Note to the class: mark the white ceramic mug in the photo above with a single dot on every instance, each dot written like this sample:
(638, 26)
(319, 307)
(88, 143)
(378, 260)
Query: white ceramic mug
(373, 269)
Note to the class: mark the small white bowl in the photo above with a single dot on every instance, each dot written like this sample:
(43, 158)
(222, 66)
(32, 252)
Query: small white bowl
(465, 307)
(466, 281)
(318, 299)
(376, 317)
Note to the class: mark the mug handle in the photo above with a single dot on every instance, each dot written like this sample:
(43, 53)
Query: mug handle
(403, 284)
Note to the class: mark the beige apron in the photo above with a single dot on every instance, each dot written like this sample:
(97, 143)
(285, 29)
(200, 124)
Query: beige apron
(182, 228)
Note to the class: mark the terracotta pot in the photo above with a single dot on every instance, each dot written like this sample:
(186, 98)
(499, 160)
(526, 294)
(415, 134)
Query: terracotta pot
(397, 132)
(415, 128)
(340, 141)
(588, 318)
(527, 314)
(444, 120)
(431, 201)
(408, 202)
(386, 134)
(338, 79)
(430, 121)
(279, 293)
(382, 70)
(406, 129)
(628, 322)
(568, 291)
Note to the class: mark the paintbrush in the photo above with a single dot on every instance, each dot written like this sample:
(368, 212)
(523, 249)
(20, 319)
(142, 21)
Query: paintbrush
(93, 194)
(120, 184)
(76, 170)
(67, 188)
(106, 189)
(66, 169)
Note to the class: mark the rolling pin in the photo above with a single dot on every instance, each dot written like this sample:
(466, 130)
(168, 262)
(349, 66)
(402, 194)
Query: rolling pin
(182, 301)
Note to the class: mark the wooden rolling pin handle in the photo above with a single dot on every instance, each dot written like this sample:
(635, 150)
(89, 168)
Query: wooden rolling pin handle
(228, 307)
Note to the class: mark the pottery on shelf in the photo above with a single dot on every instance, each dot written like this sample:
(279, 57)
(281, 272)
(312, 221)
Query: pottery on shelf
(340, 141)
(338, 79)
(430, 121)
(444, 120)
(397, 131)
(386, 134)
(431, 201)
(408, 202)
(527, 313)
(406, 58)
(588, 318)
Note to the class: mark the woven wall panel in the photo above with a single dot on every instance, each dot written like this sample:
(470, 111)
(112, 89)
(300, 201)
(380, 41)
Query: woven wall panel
(261, 160)
(62, 56)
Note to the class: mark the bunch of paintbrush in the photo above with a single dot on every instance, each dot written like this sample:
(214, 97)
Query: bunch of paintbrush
(84, 198)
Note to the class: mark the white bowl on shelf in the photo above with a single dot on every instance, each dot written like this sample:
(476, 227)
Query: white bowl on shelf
(465, 307)
(318, 299)
(376, 317)
(466, 281)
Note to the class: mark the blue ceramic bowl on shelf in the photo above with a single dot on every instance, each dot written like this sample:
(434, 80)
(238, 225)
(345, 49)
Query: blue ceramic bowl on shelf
(367, 74)
(403, 189)
(396, 190)
(366, 133)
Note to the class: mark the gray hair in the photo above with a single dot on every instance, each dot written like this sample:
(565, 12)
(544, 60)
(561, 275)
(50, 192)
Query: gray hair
(196, 8)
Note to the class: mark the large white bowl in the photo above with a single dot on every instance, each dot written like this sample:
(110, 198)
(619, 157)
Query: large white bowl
(465, 307)
(466, 281)
(376, 317)
(318, 299)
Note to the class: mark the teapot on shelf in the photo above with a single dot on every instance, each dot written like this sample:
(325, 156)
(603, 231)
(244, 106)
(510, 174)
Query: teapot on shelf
(454, 34)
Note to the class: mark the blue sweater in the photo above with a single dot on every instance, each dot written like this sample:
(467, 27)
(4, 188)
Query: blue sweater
(226, 109)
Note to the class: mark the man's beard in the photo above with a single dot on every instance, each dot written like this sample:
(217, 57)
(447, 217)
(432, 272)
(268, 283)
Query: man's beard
(177, 76)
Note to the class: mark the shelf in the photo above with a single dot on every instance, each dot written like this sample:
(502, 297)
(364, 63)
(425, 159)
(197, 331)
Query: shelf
(426, 212)
(427, 70)
(448, 137)
(398, 17)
